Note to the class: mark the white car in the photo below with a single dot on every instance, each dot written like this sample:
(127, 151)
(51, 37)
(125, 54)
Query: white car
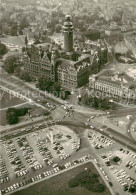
(95, 161)
(91, 127)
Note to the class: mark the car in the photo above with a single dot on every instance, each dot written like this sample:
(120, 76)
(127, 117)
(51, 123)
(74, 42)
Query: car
(91, 127)
(110, 183)
(95, 161)
(97, 114)
(111, 167)
(106, 177)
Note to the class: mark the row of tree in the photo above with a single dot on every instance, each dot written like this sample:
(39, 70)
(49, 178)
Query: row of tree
(15, 28)
(48, 85)
(12, 65)
(98, 103)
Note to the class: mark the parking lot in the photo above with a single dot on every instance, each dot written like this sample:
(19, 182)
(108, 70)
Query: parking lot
(117, 163)
(98, 140)
(31, 154)
(124, 171)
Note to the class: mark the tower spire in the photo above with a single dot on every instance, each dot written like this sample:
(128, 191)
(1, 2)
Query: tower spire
(68, 35)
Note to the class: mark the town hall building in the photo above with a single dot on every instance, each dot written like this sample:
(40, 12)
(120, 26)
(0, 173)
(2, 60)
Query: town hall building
(65, 65)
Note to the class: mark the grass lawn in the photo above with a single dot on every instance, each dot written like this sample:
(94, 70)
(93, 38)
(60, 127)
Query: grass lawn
(3, 120)
(58, 185)
(7, 100)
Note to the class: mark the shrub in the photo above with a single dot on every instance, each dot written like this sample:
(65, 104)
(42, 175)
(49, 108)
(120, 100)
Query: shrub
(12, 114)
(73, 183)
(116, 159)
(88, 180)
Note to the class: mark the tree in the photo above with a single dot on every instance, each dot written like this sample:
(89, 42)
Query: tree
(85, 99)
(23, 49)
(3, 49)
(58, 28)
(56, 87)
(116, 159)
(94, 102)
(26, 41)
(132, 188)
(20, 31)
(98, 103)
(45, 84)
(17, 71)
(37, 41)
(13, 30)
(11, 116)
(24, 23)
(21, 111)
(10, 64)
(98, 187)
(54, 14)
(25, 76)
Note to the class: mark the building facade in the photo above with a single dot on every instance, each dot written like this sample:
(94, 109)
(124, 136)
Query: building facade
(117, 90)
(66, 67)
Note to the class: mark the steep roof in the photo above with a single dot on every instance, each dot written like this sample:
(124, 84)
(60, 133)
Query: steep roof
(127, 78)
(78, 63)
(66, 63)
(108, 80)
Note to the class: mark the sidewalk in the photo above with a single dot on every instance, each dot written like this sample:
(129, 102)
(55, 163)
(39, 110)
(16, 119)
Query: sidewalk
(86, 110)
(48, 95)
(22, 124)
(129, 127)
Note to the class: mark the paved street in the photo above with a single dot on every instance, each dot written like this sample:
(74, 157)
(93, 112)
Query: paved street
(78, 123)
